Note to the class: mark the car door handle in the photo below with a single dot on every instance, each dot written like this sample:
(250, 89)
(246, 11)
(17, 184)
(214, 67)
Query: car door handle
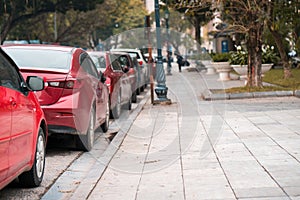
(12, 101)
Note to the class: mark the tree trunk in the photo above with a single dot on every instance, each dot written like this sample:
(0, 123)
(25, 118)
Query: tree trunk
(6, 28)
(197, 30)
(255, 56)
(285, 61)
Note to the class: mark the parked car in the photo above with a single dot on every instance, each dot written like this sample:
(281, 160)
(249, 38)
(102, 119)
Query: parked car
(131, 70)
(117, 80)
(75, 100)
(140, 76)
(144, 66)
(23, 133)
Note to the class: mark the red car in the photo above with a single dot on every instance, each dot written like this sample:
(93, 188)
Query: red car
(75, 100)
(23, 131)
(117, 80)
(131, 70)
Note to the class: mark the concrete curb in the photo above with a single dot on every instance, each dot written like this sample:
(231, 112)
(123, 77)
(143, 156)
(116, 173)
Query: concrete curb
(208, 95)
(78, 181)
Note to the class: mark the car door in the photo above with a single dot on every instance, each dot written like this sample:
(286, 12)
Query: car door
(121, 81)
(126, 78)
(5, 130)
(88, 65)
(22, 109)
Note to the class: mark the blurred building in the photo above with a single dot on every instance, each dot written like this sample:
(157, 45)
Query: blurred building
(149, 4)
(214, 38)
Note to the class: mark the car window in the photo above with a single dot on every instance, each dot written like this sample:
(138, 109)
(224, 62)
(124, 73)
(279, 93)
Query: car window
(96, 61)
(133, 54)
(9, 77)
(124, 60)
(41, 59)
(115, 63)
(102, 62)
(88, 65)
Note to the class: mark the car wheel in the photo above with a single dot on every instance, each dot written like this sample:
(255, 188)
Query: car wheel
(129, 104)
(86, 142)
(105, 125)
(142, 88)
(116, 111)
(138, 91)
(34, 177)
(134, 97)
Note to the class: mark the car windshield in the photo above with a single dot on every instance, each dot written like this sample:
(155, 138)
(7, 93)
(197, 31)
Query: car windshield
(133, 54)
(40, 59)
(99, 62)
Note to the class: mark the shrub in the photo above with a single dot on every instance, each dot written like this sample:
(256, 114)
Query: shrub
(240, 57)
(221, 57)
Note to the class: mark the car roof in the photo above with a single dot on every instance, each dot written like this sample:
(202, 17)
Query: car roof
(124, 49)
(40, 47)
(120, 53)
(98, 53)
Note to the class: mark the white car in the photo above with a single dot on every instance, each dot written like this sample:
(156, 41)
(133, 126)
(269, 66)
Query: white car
(143, 63)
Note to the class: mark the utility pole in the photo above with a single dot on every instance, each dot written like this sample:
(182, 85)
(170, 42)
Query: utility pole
(161, 89)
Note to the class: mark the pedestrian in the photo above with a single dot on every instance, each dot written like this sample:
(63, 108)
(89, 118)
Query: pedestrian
(179, 61)
(169, 60)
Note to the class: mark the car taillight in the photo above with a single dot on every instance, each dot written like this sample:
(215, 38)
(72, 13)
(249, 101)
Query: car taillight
(108, 83)
(69, 84)
(141, 63)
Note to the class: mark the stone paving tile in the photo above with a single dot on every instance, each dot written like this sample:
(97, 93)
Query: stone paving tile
(169, 185)
(247, 174)
(112, 192)
(131, 163)
(293, 191)
(194, 163)
(288, 181)
(261, 120)
(261, 192)
(208, 192)
(116, 185)
(268, 198)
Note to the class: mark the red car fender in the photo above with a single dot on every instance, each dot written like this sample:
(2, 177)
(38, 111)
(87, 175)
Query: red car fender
(40, 122)
(108, 84)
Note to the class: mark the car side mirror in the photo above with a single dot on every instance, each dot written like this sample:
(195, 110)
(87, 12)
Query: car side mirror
(125, 69)
(102, 78)
(35, 83)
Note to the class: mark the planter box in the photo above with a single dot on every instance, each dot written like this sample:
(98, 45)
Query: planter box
(223, 68)
(209, 67)
(243, 69)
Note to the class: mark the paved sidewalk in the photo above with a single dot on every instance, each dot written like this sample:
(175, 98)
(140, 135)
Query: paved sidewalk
(195, 149)
(192, 149)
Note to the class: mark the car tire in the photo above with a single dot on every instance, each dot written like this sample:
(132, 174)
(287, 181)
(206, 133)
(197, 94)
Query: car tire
(142, 88)
(138, 91)
(129, 104)
(86, 142)
(105, 125)
(116, 111)
(134, 97)
(34, 176)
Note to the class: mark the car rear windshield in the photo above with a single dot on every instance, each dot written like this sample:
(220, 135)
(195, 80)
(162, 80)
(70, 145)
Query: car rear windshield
(133, 54)
(41, 59)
